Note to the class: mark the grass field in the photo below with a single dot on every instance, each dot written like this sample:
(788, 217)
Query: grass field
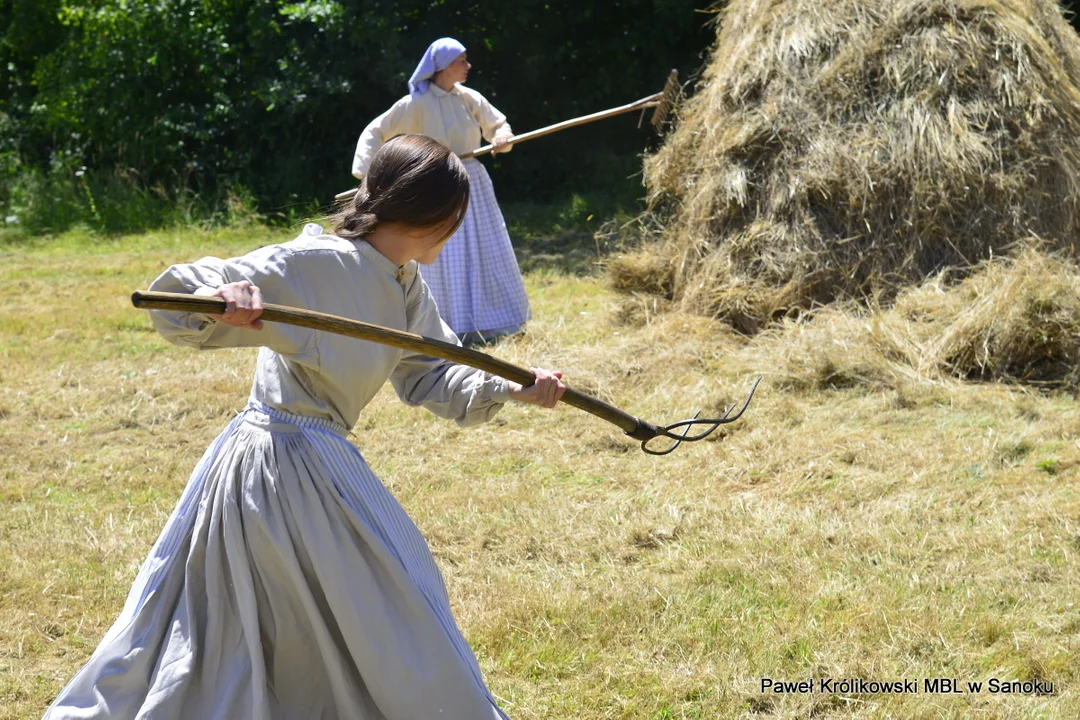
(921, 530)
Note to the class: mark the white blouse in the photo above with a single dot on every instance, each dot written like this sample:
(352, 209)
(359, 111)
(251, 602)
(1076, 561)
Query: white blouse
(456, 119)
(321, 374)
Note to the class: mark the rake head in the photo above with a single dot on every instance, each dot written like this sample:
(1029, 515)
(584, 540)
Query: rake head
(666, 101)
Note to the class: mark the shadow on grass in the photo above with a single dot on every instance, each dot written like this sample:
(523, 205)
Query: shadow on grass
(562, 237)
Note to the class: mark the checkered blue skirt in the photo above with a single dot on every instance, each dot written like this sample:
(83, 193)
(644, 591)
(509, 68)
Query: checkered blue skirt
(476, 281)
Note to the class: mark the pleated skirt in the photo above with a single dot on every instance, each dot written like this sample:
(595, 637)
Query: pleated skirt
(287, 584)
(476, 281)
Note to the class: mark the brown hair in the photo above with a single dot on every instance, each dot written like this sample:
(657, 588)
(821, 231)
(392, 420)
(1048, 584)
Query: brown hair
(412, 180)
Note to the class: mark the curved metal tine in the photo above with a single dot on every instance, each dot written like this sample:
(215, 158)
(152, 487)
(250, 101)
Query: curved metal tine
(687, 424)
(724, 419)
(713, 424)
(746, 404)
(678, 439)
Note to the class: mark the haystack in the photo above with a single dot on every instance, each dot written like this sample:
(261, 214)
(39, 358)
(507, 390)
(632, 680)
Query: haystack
(843, 148)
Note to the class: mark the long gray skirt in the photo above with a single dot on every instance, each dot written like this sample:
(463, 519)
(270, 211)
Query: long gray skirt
(288, 583)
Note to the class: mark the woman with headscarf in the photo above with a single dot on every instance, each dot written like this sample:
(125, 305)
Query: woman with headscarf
(475, 282)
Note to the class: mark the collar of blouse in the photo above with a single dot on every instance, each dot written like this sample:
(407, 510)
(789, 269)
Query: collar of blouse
(403, 274)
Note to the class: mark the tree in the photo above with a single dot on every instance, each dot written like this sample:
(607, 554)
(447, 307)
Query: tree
(271, 95)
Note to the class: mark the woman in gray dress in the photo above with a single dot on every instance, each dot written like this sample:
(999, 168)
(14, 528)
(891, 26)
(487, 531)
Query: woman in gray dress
(288, 582)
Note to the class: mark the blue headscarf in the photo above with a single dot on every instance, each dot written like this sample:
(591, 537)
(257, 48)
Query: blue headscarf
(437, 57)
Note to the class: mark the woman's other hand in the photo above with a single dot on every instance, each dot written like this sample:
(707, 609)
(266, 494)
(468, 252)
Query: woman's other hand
(243, 304)
(545, 391)
(501, 143)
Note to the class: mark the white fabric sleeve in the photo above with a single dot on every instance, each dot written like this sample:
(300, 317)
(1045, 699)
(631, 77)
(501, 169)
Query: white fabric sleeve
(456, 392)
(375, 135)
(492, 122)
(277, 273)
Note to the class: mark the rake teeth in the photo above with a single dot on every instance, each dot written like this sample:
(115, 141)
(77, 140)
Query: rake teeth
(667, 100)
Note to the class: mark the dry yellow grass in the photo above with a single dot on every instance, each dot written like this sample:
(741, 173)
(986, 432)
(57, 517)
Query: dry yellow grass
(868, 518)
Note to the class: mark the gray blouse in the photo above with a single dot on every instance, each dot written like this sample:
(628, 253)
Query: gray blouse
(325, 375)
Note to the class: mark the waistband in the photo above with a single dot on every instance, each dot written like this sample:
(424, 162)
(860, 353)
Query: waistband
(262, 414)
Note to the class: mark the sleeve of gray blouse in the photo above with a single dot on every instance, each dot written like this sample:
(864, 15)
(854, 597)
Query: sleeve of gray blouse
(456, 392)
(267, 268)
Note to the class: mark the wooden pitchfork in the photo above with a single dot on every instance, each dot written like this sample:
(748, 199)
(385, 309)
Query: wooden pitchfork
(661, 101)
(635, 427)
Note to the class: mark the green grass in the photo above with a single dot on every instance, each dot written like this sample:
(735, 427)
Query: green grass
(565, 238)
(862, 531)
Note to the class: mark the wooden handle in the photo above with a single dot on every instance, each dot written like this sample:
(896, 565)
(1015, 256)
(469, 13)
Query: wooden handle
(645, 102)
(641, 104)
(345, 195)
(178, 302)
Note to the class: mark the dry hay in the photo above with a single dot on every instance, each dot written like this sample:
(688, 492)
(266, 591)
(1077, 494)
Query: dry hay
(1013, 319)
(848, 148)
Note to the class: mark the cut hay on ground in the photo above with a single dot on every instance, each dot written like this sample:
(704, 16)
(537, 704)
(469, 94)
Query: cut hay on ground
(841, 148)
(925, 528)
(1013, 319)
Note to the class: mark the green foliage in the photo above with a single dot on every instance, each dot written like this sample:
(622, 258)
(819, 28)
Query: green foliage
(109, 200)
(163, 98)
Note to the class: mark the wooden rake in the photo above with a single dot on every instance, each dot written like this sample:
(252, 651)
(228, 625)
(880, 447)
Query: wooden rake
(662, 102)
(671, 436)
